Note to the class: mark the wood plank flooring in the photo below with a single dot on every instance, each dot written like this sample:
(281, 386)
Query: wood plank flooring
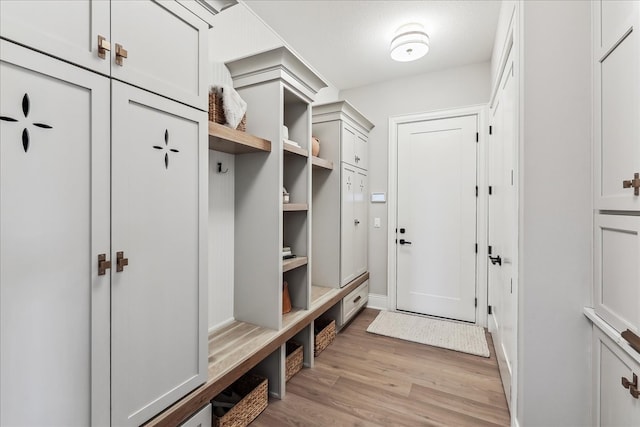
(370, 380)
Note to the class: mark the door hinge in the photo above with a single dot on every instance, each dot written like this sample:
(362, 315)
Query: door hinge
(489, 310)
(476, 191)
(490, 130)
(476, 302)
(490, 190)
(477, 136)
(489, 250)
(476, 248)
(511, 285)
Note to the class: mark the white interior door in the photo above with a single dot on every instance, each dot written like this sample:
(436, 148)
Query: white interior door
(502, 228)
(436, 257)
(54, 221)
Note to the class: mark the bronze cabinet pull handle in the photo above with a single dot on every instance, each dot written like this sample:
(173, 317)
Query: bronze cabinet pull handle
(103, 264)
(121, 261)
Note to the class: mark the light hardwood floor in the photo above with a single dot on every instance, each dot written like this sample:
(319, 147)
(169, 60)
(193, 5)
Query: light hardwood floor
(369, 380)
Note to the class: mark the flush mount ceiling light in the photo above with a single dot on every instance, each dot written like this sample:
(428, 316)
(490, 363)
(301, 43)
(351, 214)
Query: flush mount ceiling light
(409, 43)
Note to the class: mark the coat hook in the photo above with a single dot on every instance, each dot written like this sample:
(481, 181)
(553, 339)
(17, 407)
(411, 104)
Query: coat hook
(220, 168)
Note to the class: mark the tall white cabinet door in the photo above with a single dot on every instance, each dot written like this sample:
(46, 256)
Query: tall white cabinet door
(361, 223)
(158, 208)
(164, 56)
(348, 247)
(617, 271)
(54, 221)
(64, 29)
(617, 104)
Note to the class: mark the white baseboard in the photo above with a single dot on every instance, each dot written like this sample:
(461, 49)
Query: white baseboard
(221, 325)
(377, 301)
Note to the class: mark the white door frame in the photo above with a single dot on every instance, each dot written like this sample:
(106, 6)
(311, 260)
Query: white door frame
(481, 266)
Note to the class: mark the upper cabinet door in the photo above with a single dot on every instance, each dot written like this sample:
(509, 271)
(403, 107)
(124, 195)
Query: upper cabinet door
(361, 151)
(68, 30)
(159, 317)
(617, 104)
(348, 142)
(160, 46)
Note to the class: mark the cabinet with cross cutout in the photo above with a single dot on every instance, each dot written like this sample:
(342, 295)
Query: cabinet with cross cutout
(102, 237)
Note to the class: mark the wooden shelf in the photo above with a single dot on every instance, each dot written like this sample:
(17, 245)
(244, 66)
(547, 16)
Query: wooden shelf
(290, 264)
(238, 347)
(227, 140)
(292, 207)
(321, 163)
(292, 149)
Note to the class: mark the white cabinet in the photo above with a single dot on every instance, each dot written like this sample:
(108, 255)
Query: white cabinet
(103, 246)
(354, 301)
(617, 271)
(353, 239)
(67, 30)
(54, 221)
(616, 296)
(159, 349)
(354, 147)
(617, 105)
(615, 400)
(340, 239)
(167, 57)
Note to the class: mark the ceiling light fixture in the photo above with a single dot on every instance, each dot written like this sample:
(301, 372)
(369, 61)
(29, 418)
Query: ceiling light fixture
(409, 43)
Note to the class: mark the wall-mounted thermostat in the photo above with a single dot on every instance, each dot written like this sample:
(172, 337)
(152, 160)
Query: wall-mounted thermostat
(378, 198)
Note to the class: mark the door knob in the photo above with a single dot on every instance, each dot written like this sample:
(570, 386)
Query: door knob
(121, 261)
(633, 183)
(404, 242)
(356, 222)
(495, 260)
(103, 264)
(121, 53)
(103, 47)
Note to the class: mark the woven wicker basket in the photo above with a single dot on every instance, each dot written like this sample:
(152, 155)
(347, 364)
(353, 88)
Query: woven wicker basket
(216, 112)
(254, 390)
(295, 356)
(325, 336)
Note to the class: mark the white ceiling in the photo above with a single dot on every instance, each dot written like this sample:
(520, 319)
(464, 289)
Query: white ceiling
(347, 41)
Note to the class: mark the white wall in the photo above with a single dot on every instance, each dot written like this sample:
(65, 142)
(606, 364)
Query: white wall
(221, 240)
(458, 87)
(555, 214)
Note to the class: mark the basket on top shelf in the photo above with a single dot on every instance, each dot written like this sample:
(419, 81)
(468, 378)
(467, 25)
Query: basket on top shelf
(294, 360)
(253, 393)
(216, 112)
(325, 333)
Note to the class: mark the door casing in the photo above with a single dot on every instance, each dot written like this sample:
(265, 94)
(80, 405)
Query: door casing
(394, 122)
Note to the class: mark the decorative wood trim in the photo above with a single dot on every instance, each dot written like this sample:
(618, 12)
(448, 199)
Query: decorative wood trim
(318, 162)
(290, 264)
(295, 322)
(232, 141)
(292, 149)
(292, 207)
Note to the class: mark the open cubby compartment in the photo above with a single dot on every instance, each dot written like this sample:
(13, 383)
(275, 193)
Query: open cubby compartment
(296, 232)
(297, 118)
(296, 178)
(335, 313)
(305, 337)
(273, 368)
(298, 280)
